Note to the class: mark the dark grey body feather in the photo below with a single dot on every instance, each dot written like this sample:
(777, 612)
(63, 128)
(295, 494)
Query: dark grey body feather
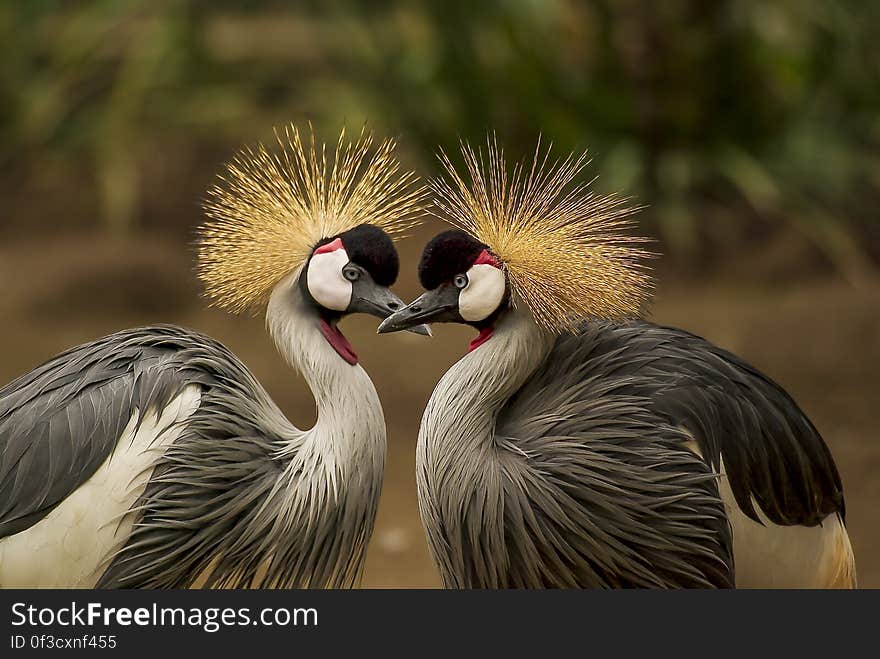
(569, 466)
(218, 500)
(59, 422)
(772, 452)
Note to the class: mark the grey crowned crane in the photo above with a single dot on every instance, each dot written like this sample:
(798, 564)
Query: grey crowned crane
(576, 446)
(152, 457)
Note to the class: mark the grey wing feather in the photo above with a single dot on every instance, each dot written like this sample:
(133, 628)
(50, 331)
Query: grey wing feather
(609, 496)
(212, 504)
(60, 421)
(604, 420)
(772, 453)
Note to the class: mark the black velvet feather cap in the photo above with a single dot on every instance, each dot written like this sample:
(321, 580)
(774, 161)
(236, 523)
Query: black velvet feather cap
(372, 249)
(448, 254)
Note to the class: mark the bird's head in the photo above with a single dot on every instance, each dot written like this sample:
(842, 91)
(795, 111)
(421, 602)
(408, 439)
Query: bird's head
(352, 273)
(466, 283)
(297, 226)
(526, 239)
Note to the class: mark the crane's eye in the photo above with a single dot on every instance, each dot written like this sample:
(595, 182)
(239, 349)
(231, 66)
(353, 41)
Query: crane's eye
(351, 273)
(460, 281)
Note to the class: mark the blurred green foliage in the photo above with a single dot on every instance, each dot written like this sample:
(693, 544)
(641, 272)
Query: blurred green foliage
(734, 120)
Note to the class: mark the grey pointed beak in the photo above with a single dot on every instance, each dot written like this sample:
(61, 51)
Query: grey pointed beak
(439, 305)
(379, 301)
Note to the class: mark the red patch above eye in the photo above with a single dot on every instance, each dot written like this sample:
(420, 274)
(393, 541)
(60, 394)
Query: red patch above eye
(330, 247)
(486, 257)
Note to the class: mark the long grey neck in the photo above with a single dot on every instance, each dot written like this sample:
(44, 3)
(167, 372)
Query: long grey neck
(463, 409)
(350, 424)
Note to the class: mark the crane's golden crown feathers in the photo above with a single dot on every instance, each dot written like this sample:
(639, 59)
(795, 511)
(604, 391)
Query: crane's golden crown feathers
(272, 207)
(563, 247)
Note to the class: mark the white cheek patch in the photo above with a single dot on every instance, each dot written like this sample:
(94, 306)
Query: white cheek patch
(483, 294)
(325, 281)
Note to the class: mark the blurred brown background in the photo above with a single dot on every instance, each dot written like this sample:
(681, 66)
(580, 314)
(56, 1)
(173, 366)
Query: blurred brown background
(749, 128)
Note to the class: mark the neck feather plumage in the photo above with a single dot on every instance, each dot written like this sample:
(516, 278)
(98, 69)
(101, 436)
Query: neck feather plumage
(461, 414)
(455, 451)
(349, 435)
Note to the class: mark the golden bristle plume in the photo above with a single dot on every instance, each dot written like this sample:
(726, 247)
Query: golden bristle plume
(272, 207)
(564, 247)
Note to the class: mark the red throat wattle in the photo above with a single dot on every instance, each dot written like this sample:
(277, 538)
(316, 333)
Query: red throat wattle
(338, 341)
(484, 335)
